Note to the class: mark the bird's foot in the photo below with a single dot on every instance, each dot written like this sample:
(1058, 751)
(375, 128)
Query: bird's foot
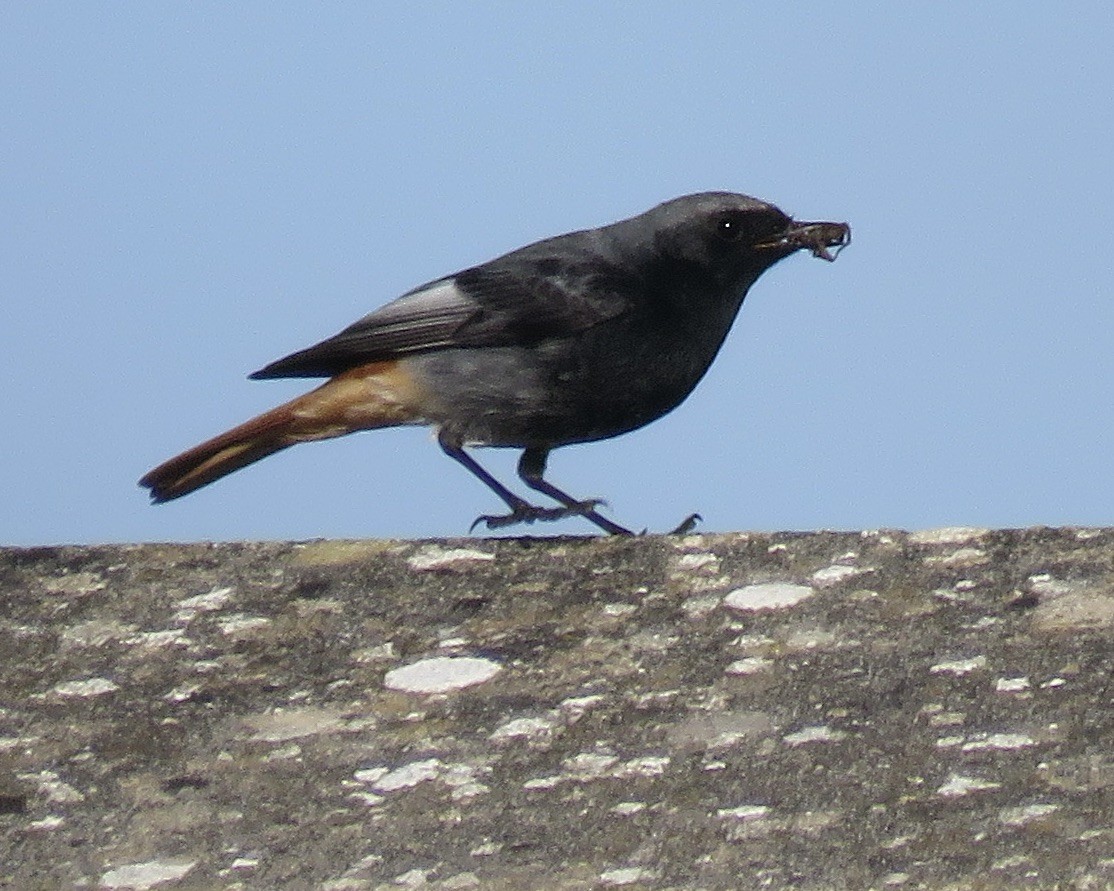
(686, 525)
(529, 513)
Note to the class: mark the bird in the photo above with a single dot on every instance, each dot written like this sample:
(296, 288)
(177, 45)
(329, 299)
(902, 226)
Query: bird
(571, 339)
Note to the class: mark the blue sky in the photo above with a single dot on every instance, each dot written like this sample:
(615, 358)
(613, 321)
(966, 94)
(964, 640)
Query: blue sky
(189, 191)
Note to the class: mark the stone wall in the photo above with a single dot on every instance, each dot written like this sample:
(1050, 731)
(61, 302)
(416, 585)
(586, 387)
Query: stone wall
(876, 710)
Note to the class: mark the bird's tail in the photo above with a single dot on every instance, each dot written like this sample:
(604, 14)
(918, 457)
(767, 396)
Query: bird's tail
(379, 394)
(239, 447)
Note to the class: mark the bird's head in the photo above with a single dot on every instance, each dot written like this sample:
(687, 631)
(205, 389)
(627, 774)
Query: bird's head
(734, 238)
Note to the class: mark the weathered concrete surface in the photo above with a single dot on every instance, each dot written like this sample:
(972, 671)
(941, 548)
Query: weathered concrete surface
(919, 711)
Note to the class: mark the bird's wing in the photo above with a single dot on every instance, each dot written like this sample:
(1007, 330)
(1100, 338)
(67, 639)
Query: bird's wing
(525, 297)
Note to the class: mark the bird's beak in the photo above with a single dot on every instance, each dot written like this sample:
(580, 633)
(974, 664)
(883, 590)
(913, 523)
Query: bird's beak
(817, 237)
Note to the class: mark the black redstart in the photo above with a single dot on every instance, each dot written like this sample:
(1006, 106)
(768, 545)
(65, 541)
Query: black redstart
(572, 339)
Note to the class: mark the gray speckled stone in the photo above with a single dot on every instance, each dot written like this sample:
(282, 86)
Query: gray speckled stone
(938, 713)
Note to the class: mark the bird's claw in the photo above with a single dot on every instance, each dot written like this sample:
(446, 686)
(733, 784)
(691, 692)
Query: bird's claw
(686, 525)
(529, 513)
(683, 528)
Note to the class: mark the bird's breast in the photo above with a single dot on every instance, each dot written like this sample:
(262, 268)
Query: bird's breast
(608, 380)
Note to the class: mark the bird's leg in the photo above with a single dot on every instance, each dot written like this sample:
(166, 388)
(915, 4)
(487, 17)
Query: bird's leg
(522, 511)
(531, 470)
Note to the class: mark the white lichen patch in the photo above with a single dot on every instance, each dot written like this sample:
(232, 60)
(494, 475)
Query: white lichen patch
(534, 728)
(959, 667)
(409, 775)
(433, 558)
(1019, 816)
(384, 652)
(750, 665)
(1013, 861)
(700, 606)
(753, 642)
(54, 789)
(371, 775)
(815, 639)
(155, 640)
(94, 633)
(183, 692)
(218, 598)
(949, 535)
(767, 595)
(587, 766)
(575, 707)
(1047, 586)
(75, 583)
(469, 790)
(698, 572)
(85, 688)
(140, 876)
(460, 778)
(957, 786)
(837, 574)
(241, 625)
(816, 734)
(651, 641)
(542, 783)
(698, 562)
(46, 824)
(1011, 685)
(629, 808)
(291, 723)
(413, 878)
(442, 674)
(744, 813)
(1003, 741)
(646, 766)
(331, 552)
(615, 878)
(963, 558)
(653, 698)
(950, 595)
(460, 882)
(947, 719)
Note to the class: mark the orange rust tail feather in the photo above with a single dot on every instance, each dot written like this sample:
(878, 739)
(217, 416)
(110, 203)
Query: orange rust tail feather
(380, 394)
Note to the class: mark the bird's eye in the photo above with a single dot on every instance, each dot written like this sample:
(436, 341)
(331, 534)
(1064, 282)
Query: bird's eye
(729, 227)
